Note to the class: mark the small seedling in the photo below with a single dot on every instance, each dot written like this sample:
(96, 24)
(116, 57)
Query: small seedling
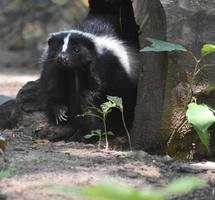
(118, 103)
(102, 113)
(98, 133)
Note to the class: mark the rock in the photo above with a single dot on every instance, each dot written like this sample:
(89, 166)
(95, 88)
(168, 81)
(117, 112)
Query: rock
(205, 165)
(7, 111)
(2, 197)
(29, 98)
(4, 99)
(187, 168)
(190, 23)
(140, 155)
(132, 174)
(166, 159)
(27, 112)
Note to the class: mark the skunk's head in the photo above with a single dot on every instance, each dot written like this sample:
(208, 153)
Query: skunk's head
(71, 50)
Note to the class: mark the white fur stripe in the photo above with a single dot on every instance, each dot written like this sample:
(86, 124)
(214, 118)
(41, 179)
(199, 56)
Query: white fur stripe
(66, 42)
(112, 44)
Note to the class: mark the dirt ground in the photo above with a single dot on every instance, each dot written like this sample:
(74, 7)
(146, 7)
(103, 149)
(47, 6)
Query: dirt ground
(38, 162)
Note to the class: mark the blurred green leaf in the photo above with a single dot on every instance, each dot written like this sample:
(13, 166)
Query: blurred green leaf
(201, 117)
(183, 186)
(5, 173)
(3, 143)
(207, 49)
(108, 133)
(159, 45)
(113, 191)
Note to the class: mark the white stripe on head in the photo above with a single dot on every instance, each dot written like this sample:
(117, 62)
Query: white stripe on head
(103, 42)
(65, 43)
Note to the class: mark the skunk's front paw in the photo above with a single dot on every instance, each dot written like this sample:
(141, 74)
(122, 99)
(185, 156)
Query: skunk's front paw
(61, 113)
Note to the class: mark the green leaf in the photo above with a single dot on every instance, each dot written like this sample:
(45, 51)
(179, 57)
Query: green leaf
(159, 45)
(107, 106)
(3, 143)
(201, 117)
(115, 100)
(183, 186)
(88, 136)
(93, 133)
(108, 133)
(207, 49)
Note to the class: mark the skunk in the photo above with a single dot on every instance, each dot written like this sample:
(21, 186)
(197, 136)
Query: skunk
(81, 67)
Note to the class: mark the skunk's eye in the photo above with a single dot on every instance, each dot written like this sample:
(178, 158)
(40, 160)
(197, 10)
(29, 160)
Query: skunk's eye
(76, 50)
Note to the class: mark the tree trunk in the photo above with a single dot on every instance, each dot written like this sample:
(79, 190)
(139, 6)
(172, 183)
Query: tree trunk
(146, 132)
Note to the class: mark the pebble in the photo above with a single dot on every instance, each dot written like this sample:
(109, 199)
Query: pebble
(140, 155)
(132, 174)
(19, 149)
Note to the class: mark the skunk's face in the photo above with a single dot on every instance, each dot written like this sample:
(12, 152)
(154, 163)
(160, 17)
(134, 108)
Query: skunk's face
(71, 50)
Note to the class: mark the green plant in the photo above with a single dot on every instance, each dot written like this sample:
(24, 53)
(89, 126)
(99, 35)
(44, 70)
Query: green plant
(200, 116)
(102, 113)
(5, 173)
(113, 191)
(118, 103)
(98, 133)
(3, 143)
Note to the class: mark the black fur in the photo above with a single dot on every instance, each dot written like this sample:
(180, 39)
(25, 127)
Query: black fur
(81, 77)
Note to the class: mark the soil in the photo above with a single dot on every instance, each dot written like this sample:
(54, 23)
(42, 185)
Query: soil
(38, 162)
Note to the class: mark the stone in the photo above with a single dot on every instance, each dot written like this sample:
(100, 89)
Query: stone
(7, 110)
(4, 99)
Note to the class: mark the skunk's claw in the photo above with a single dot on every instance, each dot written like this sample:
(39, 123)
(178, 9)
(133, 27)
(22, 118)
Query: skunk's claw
(61, 114)
(56, 119)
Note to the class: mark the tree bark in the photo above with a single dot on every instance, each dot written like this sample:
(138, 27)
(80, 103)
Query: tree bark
(146, 132)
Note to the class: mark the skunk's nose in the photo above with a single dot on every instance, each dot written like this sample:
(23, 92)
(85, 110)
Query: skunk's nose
(63, 58)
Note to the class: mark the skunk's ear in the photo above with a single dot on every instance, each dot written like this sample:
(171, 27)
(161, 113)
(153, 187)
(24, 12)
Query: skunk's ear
(50, 38)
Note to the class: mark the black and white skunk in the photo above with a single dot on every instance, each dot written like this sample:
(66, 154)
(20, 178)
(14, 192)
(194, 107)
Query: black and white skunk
(81, 67)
